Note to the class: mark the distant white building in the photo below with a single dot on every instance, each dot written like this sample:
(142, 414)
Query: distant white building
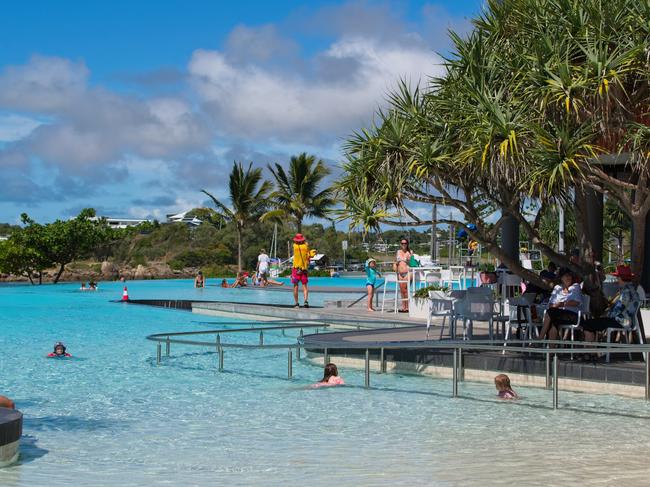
(191, 221)
(123, 222)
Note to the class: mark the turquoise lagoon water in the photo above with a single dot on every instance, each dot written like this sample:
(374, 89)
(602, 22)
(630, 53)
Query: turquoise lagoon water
(110, 416)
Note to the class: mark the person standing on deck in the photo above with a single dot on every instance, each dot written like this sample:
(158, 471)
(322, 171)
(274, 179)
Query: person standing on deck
(401, 267)
(299, 272)
(263, 267)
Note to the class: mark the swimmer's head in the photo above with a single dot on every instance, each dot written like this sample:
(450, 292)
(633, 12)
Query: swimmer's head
(59, 348)
(330, 371)
(502, 382)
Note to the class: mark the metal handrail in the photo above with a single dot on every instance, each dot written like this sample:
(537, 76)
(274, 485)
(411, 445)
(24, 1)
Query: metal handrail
(456, 347)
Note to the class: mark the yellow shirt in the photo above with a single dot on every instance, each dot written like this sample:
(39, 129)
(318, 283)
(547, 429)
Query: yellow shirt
(301, 256)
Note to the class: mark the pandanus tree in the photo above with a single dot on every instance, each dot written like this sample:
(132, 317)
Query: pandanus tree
(248, 194)
(298, 192)
(542, 103)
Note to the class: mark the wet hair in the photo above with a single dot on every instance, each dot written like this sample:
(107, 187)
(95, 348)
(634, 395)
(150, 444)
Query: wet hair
(502, 382)
(57, 345)
(200, 273)
(330, 371)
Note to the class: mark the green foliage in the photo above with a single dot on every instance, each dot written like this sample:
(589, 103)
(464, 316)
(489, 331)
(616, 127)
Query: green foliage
(423, 293)
(297, 194)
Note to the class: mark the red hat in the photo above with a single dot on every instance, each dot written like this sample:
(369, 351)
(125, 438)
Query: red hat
(298, 238)
(624, 272)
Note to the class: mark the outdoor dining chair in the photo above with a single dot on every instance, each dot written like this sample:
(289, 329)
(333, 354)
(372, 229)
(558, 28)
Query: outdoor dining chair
(474, 307)
(392, 278)
(634, 328)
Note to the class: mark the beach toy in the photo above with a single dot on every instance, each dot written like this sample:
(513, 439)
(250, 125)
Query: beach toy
(125, 294)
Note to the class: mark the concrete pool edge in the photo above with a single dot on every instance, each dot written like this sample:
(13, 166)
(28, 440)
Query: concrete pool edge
(11, 429)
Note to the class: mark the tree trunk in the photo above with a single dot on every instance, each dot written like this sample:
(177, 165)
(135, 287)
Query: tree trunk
(638, 244)
(58, 274)
(40, 277)
(239, 249)
(29, 276)
(299, 225)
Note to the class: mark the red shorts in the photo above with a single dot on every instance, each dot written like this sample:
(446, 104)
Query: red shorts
(299, 275)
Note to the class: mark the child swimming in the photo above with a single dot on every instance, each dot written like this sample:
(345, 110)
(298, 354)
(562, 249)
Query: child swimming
(502, 383)
(330, 377)
(59, 351)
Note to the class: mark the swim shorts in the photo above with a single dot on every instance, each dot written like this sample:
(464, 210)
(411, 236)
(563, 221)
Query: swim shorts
(299, 275)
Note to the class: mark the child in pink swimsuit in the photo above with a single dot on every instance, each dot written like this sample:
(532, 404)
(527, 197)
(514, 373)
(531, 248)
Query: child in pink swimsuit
(330, 377)
(502, 383)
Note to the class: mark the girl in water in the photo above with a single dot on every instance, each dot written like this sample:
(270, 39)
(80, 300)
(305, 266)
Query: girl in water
(502, 383)
(59, 351)
(330, 377)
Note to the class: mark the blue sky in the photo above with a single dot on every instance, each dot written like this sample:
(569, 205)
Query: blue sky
(133, 107)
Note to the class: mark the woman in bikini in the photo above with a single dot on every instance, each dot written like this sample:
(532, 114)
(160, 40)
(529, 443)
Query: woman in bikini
(401, 267)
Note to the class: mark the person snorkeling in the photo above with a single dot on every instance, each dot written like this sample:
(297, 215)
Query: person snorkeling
(59, 351)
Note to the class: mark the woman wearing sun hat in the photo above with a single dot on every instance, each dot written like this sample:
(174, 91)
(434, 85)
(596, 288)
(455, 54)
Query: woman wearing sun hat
(299, 272)
(622, 308)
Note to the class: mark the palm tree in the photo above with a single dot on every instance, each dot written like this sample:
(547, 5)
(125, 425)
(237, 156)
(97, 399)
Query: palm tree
(297, 194)
(248, 200)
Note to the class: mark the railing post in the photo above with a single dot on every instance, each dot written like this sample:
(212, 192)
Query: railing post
(220, 358)
(168, 347)
(454, 375)
(367, 371)
(548, 370)
(158, 352)
(301, 333)
(647, 376)
(261, 338)
(555, 381)
(382, 361)
(298, 352)
(289, 364)
(461, 368)
(326, 357)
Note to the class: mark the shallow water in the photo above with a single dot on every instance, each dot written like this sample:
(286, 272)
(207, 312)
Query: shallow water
(110, 416)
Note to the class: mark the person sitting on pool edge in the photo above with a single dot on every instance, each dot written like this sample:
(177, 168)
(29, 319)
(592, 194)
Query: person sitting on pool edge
(59, 351)
(330, 377)
(5, 402)
(504, 389)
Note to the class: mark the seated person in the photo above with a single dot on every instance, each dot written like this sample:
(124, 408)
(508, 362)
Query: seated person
(564, 305)
(330, 377)
(240, 281)
(59, 351)
(5, 402)
(620, 313)
(550, 273)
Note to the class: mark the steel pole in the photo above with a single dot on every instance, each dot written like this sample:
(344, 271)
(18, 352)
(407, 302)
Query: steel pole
(158, 353)
(367, 371)
(220, 358)
(555, 381)
(289, 364)
(455, 375)
(647, 375)
(298, 352)
(382, 361)
(168, 347)
(261, 338)
(548, 370)
(461, 367)
(326, 357)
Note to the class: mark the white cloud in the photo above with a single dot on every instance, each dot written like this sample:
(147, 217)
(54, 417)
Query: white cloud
(14, 127)
(252, 101)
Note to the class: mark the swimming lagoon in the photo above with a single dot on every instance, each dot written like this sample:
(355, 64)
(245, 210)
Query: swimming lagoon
(110, 416)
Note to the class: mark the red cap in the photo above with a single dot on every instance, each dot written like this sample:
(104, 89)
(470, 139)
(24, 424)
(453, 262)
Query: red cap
(298, 238)
(624, 272)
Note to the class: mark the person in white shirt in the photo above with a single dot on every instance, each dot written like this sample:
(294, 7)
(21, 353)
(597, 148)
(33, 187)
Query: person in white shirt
(563, 307)
(263, 267)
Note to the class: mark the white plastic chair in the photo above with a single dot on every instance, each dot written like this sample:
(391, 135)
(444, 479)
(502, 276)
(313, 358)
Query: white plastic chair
(583, 313)
(440, 307)
(633, 328)
(396, 281)
(457, 276)
(474, 307)
(520, 318)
